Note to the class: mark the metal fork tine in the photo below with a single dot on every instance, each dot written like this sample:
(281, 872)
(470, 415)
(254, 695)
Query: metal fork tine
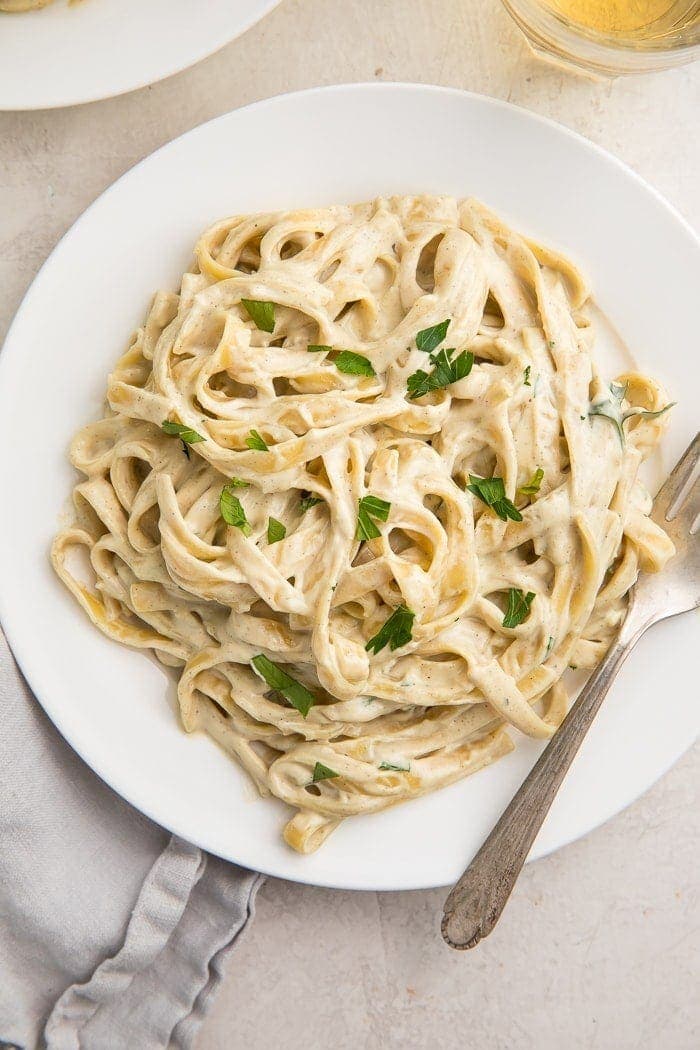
(671, 493)
(687, 509)
(687, 491)
(686, 498)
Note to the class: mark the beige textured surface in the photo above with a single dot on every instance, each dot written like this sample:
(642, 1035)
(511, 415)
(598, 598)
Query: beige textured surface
(599, 947)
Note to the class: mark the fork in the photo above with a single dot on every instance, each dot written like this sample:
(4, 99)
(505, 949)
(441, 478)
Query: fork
(478, 898)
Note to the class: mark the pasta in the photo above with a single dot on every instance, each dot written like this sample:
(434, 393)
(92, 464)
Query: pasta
(360, 484)
(27, 5)
(22, 5)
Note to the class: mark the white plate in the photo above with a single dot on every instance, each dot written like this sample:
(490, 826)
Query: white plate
(63, 55)
(332, 145)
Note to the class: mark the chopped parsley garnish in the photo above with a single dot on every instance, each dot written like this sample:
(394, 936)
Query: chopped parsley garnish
(238, 483)
(518, 607)
(261, 313)
(232, 511)
(371, 508)
(187, 435)
(322, 772)
(354, 364)
(397, 631)
(430, 338)
(318, 348)
(491, 491)
(294, 692)
(526, 376)
(398, 769)
(257, 442)
(550, 646)
(446, 370)
(533, 485)
(610, 408)
(276, 531)
(308, 501)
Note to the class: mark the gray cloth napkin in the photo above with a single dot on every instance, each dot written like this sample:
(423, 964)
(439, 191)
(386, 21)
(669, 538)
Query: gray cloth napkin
(113, 934)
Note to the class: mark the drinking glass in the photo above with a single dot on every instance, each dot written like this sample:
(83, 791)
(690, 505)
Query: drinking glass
(611, 37)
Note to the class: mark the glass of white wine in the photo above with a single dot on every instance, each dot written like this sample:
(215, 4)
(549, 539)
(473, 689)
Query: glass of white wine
(611, 36)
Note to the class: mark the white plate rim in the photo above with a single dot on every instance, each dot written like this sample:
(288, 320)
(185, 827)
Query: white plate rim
(256, 13)
(31, 670)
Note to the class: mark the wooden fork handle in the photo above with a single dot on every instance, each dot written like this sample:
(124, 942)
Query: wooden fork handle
(478, 898)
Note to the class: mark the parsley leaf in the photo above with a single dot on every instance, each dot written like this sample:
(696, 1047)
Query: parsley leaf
(187, 435)
(354, 364)
(318, 348)
(232, 511)
(238, 483)
(262, 313)
(369, 508)
(446, 370)
(397, 631)
(645, 413)
(533, 485)
(256, 442)
(526, 376)
(398, 769)
(296, 693)
(610, 408)
(276, 531)
(491, 491)
(308, 501)
(518, 607)
(322, 772)
(430, 338)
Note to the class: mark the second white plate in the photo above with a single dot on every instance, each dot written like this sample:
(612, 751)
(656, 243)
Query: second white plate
(66, 54)
(328, 145)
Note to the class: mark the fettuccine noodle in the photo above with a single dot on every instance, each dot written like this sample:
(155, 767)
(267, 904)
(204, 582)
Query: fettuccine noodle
(15, 6)
(23, 5)
(473, 505)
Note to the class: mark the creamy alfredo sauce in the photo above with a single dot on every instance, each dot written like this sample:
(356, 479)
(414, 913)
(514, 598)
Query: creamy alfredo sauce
(360, 483)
